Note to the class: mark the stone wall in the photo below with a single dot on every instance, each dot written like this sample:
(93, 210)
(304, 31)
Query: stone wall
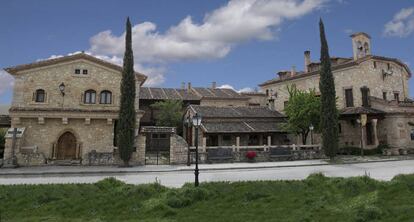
(49, 78)
(96, 135)
(178, 150)
(262, 156)
(45, 122)
(353, 77)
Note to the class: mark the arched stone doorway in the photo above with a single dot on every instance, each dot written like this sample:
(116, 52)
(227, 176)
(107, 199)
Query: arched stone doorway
(66, 149)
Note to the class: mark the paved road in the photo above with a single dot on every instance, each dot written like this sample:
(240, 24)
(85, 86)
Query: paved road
(378, 170)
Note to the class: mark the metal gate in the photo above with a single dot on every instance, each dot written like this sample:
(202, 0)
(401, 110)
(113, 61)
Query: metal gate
(157, 149)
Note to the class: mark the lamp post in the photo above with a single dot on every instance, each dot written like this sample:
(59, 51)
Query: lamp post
(187, 123)
(311, 131)
(196, 122)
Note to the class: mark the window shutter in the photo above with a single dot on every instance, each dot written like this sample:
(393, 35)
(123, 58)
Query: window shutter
(81, 98)
(33, 96)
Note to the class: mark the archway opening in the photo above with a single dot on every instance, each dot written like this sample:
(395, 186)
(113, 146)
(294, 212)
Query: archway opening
(66, 147)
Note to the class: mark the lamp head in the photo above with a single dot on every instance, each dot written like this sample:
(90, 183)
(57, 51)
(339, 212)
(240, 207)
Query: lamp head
(196, 120)
(62, 88)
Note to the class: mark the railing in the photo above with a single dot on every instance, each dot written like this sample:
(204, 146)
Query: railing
(262, 148)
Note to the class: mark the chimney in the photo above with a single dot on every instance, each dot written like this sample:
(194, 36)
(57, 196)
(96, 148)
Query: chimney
(182, 85)
(293, 71)
(189, 86)
(213, 85)
(307, 60)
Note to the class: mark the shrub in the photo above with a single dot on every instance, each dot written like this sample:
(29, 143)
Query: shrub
(109, 183)
(352, 150)
(251, 155)
(368, 213)
(255, 195)
(186, 197)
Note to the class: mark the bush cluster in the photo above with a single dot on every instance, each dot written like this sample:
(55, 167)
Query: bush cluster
(352, 150)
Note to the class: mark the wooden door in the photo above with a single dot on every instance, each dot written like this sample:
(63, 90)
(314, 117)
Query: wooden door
(66, 147)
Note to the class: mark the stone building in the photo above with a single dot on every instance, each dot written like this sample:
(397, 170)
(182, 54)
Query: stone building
(66, 110)
(189, 95)
(367, 86)
(237, 126)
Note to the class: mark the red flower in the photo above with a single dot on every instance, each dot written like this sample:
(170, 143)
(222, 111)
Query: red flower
(251, 155)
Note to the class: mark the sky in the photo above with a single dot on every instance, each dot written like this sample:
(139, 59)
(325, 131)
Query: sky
(236, 43)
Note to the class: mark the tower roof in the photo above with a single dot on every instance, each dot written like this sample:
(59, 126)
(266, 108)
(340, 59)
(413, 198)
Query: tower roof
(360, 33)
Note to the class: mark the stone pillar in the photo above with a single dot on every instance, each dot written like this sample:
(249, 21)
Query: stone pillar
(138, 157)
(237, 141)
(269, 140)
(364, 137)
(374, 127)
(204, 143)
(7, 149)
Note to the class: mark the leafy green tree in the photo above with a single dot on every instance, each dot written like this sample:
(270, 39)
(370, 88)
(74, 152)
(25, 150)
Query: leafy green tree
(127, 118)
(302, 110)
(329, 112)
(169, 113)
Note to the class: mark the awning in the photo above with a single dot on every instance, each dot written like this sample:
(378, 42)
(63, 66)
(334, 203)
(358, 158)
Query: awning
(360, 110)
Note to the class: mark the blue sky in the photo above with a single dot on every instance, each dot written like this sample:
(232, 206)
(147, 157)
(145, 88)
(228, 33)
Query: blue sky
(238, 42)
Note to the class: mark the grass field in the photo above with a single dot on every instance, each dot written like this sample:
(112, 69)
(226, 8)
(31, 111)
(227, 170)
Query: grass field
(317, 198)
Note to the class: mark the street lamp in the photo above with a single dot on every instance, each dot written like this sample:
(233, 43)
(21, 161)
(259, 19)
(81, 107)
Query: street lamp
(187, 123)
(196, 122)
(311, 131)
(62, 88)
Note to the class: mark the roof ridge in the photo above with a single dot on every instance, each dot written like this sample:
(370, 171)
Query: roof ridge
(176, 92)
(224, 91)
(162, 90)
(149, 90)
(249, 126)
(209, 90)
(233, 108)
(48, 62)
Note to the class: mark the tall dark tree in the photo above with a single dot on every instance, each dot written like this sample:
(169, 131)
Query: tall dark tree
(127, 119)
(329, 112)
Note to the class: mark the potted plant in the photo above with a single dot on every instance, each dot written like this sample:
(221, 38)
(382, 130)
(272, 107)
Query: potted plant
(251, 155)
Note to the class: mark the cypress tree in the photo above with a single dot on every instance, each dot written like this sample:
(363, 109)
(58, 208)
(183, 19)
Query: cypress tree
(329, 112)
(126, 120)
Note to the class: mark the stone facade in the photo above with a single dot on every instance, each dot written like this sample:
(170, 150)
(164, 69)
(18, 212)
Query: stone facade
(384, 79)
(363, 74)
(90, 123)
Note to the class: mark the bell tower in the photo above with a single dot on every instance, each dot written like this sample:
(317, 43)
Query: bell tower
(361, 44)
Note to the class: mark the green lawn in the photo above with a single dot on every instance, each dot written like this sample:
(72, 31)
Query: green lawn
(317, 198)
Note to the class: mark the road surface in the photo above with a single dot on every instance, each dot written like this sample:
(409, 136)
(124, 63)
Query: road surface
(377, 170)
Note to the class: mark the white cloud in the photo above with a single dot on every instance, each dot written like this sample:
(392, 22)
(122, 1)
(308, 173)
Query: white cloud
(214, 37)
(402, 25)
(6, 82)
(228, 86)
(245, 89)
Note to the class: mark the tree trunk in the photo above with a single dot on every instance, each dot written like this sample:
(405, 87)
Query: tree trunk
(304, 136)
